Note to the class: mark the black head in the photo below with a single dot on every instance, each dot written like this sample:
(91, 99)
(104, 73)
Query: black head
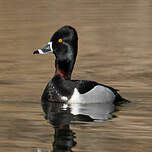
(63, 45)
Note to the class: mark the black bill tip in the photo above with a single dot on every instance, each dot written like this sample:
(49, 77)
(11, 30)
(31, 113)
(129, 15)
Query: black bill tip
(36, 52)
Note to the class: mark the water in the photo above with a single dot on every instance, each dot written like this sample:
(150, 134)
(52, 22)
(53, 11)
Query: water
(115, 41)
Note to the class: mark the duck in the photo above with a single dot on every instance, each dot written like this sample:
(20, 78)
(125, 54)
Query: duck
(61, 88)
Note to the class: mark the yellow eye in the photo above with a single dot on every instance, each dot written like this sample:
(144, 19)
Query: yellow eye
(60, 40)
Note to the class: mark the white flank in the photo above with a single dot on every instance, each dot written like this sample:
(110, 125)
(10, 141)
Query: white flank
(99, 94)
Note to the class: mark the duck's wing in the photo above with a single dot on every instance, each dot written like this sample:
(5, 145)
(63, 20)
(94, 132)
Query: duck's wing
(85, 86)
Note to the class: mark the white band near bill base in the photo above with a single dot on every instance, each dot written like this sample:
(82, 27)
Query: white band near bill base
(49, 51)
(50, 43)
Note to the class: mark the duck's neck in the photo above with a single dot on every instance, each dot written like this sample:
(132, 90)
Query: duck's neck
(64, 68)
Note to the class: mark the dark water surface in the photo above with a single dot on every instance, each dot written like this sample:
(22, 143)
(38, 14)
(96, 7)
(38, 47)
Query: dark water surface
(115, 48)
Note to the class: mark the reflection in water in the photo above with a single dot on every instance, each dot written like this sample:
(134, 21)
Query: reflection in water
(63, 138)
(96, 112)
(60, 116)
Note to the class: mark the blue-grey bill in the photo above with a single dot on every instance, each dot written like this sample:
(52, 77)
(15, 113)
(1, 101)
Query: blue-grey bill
(47, 49)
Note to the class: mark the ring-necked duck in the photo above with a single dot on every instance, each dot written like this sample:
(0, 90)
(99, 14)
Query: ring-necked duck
(64, 45)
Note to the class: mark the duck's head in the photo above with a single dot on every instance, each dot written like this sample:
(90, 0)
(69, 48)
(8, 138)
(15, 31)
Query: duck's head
(63, 45)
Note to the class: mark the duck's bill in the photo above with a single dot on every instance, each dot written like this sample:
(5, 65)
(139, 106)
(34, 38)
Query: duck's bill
(47, 49)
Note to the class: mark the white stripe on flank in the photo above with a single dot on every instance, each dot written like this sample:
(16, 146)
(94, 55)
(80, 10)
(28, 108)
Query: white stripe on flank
(99, 94)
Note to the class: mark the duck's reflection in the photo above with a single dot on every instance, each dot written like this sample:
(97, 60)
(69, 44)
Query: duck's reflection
(60, 116)
(63, 139)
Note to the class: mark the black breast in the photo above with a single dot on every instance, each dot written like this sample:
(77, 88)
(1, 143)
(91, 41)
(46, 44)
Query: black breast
(58, 88)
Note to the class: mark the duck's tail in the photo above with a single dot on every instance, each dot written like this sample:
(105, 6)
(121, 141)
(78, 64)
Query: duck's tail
(120, 100)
